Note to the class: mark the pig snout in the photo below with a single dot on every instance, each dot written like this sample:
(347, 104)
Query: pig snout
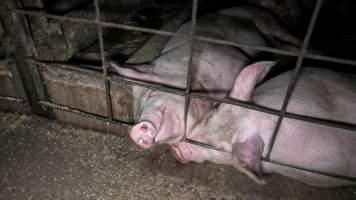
(144, 134)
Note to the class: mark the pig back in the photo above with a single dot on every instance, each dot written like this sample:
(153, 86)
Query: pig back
(318, 93)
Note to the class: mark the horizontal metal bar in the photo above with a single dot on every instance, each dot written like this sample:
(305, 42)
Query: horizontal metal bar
(250, 46)
(83, 113)
(103, 24)
(211, 40)
(153, 86)
(185, 139)
(203, 97)
(12, 99)
(347, 178)
(320, 121)
(65, 108)
(329, 59)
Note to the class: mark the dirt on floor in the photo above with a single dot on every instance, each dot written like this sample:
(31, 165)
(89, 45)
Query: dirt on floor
(41, 159)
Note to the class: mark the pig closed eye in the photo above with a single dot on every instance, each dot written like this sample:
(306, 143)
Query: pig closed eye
(149, 94)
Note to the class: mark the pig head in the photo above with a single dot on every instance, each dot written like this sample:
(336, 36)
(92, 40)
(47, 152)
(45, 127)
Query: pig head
(243, 135)
(159, 115)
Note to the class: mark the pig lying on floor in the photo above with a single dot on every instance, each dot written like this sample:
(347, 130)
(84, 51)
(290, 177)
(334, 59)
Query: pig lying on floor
(243, 135)
(159, 115)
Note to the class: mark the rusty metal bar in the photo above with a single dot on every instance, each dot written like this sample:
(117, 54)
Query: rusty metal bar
(12, 99)
(26, 74)
(351, 179)
(248, 105)
(82, 113)
(190, 63)
(329, 59)
(295, 74)
(201, 38)
(103, 63)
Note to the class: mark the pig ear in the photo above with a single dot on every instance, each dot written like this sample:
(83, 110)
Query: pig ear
(248, 78)
(247, 157)
(145, 72)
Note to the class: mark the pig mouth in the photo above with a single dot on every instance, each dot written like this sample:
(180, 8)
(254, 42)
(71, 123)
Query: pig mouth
(144, 134)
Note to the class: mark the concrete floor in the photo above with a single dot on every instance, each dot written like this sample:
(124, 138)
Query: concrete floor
(41, 159)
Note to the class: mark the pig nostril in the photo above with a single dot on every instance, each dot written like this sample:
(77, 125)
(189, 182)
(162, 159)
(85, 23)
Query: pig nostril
(144, 127)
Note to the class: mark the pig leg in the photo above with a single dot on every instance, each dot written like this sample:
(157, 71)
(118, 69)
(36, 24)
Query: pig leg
(146, 73)
(186, 152)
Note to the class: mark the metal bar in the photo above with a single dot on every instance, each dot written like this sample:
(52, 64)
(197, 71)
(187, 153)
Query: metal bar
(103, 63)
(82, 113)
(295, 74)
(201, 38)
(248, 105)
(190, 64)
(103, 24)
(127, 125)
(251, 106)
(12, 99)
(351, 179)
(201, 144)
(330, 59)
(250, 46)
(26, 74)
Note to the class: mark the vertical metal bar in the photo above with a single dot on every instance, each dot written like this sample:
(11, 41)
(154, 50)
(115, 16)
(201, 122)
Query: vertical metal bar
(26, 74)
(190, 63)
(103, 63)
(295, 74)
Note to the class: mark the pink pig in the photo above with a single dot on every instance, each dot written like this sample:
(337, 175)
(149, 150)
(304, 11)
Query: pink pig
(243, 135)
(159, 115)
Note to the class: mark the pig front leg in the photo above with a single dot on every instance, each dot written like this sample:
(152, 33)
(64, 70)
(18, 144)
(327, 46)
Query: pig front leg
(186, 152)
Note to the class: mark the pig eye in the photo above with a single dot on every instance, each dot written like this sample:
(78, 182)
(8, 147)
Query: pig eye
(148, 94)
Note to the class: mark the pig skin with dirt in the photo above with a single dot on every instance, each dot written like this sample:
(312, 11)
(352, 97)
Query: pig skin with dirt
(159, 115)
(243, 135)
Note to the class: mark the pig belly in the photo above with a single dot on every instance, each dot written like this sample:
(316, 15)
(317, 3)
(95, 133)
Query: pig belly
(316, 147)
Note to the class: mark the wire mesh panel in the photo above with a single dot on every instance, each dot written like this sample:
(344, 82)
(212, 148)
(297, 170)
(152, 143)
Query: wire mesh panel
(192, 37)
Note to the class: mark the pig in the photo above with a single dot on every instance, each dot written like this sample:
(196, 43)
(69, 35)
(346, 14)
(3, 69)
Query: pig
(159, 116)
(242, 135)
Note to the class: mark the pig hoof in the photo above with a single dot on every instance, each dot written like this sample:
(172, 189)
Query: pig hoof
(143, 134)
(178, 155)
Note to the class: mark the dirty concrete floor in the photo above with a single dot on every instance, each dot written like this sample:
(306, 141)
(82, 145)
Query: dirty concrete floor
(41, 159)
